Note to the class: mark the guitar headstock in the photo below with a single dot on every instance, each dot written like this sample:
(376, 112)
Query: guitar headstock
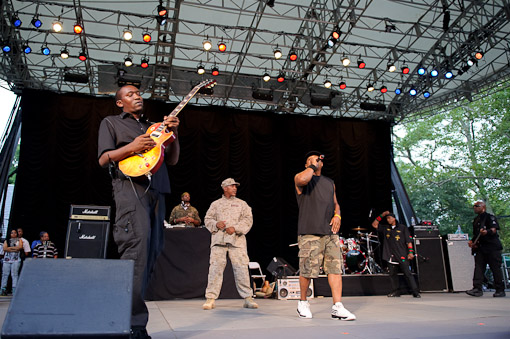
(208, 83)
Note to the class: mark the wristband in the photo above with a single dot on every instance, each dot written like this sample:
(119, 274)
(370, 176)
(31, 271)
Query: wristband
(410, 250)
(313, 167)
(378, 218)
(337, 215)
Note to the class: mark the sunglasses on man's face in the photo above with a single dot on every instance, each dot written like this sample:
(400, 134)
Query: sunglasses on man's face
(476, 205)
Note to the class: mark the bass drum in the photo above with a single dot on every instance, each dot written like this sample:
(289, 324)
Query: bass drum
(355, 261)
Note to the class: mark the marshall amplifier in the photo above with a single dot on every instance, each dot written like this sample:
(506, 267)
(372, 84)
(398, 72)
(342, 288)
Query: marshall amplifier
(87, 232)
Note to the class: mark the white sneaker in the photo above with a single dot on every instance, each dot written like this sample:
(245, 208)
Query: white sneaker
(303, 309)
(338, 311)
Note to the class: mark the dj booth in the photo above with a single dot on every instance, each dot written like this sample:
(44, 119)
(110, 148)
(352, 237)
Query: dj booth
(182, 268)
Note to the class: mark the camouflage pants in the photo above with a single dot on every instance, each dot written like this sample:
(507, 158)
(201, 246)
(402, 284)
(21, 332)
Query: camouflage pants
(239, 258)
(316, 251)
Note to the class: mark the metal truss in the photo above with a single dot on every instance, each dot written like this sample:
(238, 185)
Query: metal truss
(436, 34)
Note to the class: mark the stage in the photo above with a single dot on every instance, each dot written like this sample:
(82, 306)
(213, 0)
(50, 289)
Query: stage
(435, 315)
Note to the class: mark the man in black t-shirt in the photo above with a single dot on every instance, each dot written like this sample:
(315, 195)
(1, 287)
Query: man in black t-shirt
(486, 248)
(318, 225)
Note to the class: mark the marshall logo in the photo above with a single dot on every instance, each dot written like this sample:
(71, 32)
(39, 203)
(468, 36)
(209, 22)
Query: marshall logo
(87, 211)
(87, 237)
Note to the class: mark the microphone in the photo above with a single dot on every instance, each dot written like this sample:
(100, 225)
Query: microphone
(321, 158)
(370, 213)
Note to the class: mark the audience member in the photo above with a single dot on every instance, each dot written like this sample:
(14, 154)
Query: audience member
(12, 260)
(46, 249)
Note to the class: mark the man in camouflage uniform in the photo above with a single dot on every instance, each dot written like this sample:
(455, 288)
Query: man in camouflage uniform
(184, 213)
(318, 225)
(229, 219)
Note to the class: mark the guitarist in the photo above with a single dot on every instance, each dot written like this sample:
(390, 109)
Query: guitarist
(140, 203)
(486, 248)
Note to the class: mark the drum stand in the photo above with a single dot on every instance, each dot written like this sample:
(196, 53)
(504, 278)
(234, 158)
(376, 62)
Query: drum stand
(371, 267)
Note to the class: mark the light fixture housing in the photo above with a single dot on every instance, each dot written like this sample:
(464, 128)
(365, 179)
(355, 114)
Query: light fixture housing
(82, 56)
(292, 55)
(471, 62)
(434, 73)
(331, 42)
(398, 91)
(45, 50)
(370, 87)
(266, 77)
(391, 67)
(342, 85)
(162, 10)
(426, 94)
(64, 53)
(384, 89)
(207, 44)
(405, 69)
(26, 48)
(215, 71)
(327, 83)
(127, 34)
(222, 47)
(479, 55)
(277, 53)
(281, 77)
(345, 61)
(6, 48)
(77, 28)
(36, 22)
(57, 26)
(128, 62)
(361, 64)
(422, 70)
(448, 74)
(145, 62)
(200, 69)
(413, 91)
(146, 37)
(16, 22)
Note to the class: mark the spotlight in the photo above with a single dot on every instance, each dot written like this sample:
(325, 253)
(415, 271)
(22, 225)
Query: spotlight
(335, 34)
(82, 56)
(207, 44)
(384, 89)
(6, 48)
(281, 77)
(64, 53)
(128, 62)
(215, 71)
(127, 34)
(345, 61)
(434, 73)
(36, 22)
(331, 42)
(222, 47)
(161, 20)
(361, 64)
(16, 22)
(391, 67)
(426, 94)
(200, 69)
(161, 10)
(266, 77)
(277, 53)
(45, 50)
(370, 87)
(57, 26)
(270, 3)
(292, 55)
(342, 85)
(471, 62)
(448, 75)
(145, 62)
(78, 29)
(405, 69)
(422, 70)
(27, 49)
(479, 55)
(327, 83)
(398, 91)
(146, 37)
(413, 91)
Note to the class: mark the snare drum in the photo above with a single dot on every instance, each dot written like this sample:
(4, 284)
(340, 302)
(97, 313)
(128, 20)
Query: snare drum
(352, 244)
(343, 244)
(355, 261)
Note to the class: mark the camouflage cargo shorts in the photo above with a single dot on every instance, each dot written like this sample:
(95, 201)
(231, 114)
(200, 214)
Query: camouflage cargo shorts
(316, 251)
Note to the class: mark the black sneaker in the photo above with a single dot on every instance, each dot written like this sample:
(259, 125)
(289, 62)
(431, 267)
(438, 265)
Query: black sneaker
(416, 295)
(139, 332)
(394, 295)
(499, 294)
(474, 292)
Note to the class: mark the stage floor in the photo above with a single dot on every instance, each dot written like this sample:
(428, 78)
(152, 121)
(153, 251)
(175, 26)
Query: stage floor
(435, 315)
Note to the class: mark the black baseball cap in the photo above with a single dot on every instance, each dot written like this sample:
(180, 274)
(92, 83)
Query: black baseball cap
(309, 154)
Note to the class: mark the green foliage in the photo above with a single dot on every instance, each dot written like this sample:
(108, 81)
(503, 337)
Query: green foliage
(14, 167)
(455, 157)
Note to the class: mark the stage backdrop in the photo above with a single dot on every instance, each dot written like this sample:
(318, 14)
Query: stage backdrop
(262, 150)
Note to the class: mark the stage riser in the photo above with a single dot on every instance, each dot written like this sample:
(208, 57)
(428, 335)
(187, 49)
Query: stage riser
(361, 285)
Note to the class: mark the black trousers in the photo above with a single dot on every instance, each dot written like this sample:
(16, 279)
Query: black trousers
(404, 267)
(494, 259)
(138, 233)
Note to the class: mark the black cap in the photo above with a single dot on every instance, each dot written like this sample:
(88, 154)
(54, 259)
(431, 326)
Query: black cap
(390, 215)
(309, 154)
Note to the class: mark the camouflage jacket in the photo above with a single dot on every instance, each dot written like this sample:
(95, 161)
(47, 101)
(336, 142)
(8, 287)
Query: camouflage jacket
(179, 212)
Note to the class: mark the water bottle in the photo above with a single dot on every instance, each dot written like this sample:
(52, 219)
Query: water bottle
(459, 230)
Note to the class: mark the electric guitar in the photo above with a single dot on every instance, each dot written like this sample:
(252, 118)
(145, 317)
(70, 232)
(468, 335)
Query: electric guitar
(148, 162)
(474, 245)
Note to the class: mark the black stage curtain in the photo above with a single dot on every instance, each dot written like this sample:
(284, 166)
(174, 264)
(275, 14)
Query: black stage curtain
(262, 150)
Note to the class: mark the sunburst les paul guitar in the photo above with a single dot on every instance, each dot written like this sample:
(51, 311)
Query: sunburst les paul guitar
(148, 162)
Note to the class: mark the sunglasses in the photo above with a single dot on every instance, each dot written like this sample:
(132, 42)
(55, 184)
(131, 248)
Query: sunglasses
(476, 205)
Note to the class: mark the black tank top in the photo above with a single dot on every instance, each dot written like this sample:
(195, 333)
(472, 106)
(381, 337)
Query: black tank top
(316, 206)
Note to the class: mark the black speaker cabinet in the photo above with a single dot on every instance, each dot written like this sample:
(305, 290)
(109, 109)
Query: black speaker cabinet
(280, 268)
(87, 239)
(430, 264)
(71, 298)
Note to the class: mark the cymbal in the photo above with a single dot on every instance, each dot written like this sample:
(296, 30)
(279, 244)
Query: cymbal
(358, 229)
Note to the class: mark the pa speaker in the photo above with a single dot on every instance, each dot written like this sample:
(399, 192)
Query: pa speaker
(71, 298)
(462, 265)
(430, 264)
(87, 239)
(280, 268)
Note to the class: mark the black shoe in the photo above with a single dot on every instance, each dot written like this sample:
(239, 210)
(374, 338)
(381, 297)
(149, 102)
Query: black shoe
(499, 294)
(416, 295)
(139, 332)
(394, 295)
(474, 292)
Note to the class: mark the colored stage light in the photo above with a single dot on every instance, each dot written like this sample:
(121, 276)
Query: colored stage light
(127, 34)
(128, 62)
(16, 22)
(331, 42)
(434, 73)
(361, 64)
(215, 71)
(6, 48)
(398, 91)
(45, 50)
(422, 71)
(277, 53)
(266, 77)
(471, 62)
(82, 56)
(327, 83)
(335, 34)
(78, 29)
(448, 75)
(342, 85)
(222, 47)
(57, 26)
(479, 55)
(36, 22)
(161, 10)
(405, 69)
(413, 91)
(426, 94)
(146, 37)
(27, 49)
(384, 89)
(292, 55)
(281, 77)
(64, 53)
(207, 44)
(145, 62)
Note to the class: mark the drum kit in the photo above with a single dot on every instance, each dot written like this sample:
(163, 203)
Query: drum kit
(358, 253)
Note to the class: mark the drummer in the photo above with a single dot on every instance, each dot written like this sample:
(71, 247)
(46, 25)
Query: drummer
(397, 251)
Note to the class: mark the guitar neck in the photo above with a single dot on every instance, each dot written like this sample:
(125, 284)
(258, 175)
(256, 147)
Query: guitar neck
(185, 101)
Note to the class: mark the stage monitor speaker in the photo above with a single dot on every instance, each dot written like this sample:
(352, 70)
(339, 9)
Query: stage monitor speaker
(280, 268)
(71, 298)
(430, 264)
(462, 265)
(288, 288)
(87, 239)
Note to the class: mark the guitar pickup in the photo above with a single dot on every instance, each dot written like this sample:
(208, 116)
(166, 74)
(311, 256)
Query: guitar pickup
(156, 134)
